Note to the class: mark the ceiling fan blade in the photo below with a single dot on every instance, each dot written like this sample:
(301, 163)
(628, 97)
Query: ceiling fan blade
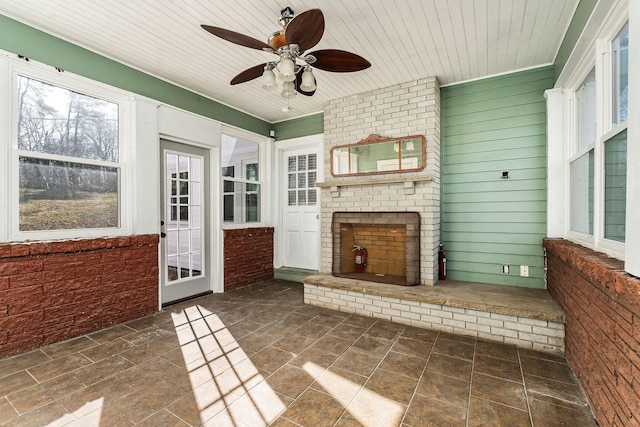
(248, 74)
(306, 29)
(237, 38)
(339, 61)
(299, 83)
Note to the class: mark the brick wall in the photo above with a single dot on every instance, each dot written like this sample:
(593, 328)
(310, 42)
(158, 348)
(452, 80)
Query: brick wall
(248, 256)
(385, 245)
(52, 291)
(526, 332)
(411, 108)
(602, 308)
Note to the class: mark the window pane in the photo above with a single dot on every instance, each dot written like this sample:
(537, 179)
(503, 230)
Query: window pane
(312, 197)
(228, 171)
(620, 75)
(195, 193)
(228, 186)
(252, 207)
(292, 164)
(581, 215)
(615, 186)
(292, 198)
(312, 179)
(585, 109)
(58, 195)
(228, 208)
(195, 169)
(252, 171)
(292, 180)
(54, 120)
(302, 163)
(313, 159)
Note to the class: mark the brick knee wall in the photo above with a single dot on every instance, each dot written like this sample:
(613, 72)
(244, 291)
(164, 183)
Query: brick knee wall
(248, 256)
(52, 291)
(602, 330)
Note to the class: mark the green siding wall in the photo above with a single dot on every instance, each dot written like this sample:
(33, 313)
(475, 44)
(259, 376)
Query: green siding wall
(302, 126)
(490, 126)
(24, 40)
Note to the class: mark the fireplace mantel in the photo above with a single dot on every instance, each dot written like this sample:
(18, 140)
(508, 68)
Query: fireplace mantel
(373, 181)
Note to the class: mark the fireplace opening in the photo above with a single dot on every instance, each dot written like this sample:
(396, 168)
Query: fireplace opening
(388, 243)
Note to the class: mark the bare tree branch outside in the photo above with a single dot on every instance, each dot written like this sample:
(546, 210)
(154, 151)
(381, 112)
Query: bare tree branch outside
(68, 153)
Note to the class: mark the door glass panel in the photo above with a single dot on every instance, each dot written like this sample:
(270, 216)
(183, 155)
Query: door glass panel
(183, 212)
(302, 175)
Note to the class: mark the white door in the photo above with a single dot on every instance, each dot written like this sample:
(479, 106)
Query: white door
(301, 210)
(185, 222)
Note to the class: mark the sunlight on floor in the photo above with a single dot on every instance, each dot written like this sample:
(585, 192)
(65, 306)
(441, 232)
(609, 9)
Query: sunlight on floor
(226, 385)
(88, 415)
(368, 408)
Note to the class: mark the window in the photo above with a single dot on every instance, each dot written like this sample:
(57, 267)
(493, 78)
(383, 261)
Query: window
(615, 147)
(241, 181)
(68, 162)
(598, 154)
(302, 172)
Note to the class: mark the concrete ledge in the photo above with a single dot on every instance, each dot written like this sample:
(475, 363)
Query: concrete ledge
(525, 317)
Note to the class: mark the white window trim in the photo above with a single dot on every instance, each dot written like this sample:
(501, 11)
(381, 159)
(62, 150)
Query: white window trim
(632, 245)
(604, 25)
(11, 67)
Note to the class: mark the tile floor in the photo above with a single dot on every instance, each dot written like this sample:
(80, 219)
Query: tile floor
(258, 356)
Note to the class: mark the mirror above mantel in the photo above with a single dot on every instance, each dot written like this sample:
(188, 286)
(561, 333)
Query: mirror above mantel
(379, 155)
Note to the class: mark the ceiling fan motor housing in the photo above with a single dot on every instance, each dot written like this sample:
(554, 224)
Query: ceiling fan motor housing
(277, 39)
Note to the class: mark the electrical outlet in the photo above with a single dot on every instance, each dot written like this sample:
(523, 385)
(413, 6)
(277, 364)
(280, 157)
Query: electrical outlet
(524, 270)
(505, 268)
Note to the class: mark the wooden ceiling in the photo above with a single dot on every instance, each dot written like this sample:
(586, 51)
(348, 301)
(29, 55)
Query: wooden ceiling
(405, 40)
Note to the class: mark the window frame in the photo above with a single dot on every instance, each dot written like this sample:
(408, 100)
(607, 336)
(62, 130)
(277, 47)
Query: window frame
(600, 57)
(240, 169)
(64, 80)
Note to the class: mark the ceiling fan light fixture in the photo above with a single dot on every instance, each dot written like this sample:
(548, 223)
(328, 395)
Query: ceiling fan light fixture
(308, 83)
(287, 69)
(288, 90)
(268, 78)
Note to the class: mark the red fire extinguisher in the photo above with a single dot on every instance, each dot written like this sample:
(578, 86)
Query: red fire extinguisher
(442, 263)
(361, 258)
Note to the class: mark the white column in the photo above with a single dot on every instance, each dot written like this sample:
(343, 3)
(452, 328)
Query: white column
(555, 164)
(145, 164)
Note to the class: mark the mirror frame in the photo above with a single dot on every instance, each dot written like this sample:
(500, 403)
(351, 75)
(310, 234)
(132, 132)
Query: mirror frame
(377, 139)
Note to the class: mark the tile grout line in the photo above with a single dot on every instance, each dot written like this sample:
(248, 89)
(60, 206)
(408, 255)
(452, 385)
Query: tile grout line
(424, 369)
(473, 366)
(363, 386)
(524, 386)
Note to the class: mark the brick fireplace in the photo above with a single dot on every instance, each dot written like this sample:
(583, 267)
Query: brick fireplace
(391, 241)
(412, 108)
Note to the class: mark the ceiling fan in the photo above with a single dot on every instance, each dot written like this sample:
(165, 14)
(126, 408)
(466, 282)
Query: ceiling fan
(290, 45)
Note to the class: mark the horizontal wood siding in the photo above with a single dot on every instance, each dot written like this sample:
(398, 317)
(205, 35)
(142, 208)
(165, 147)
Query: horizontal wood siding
(301, 126)
(490, 126)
